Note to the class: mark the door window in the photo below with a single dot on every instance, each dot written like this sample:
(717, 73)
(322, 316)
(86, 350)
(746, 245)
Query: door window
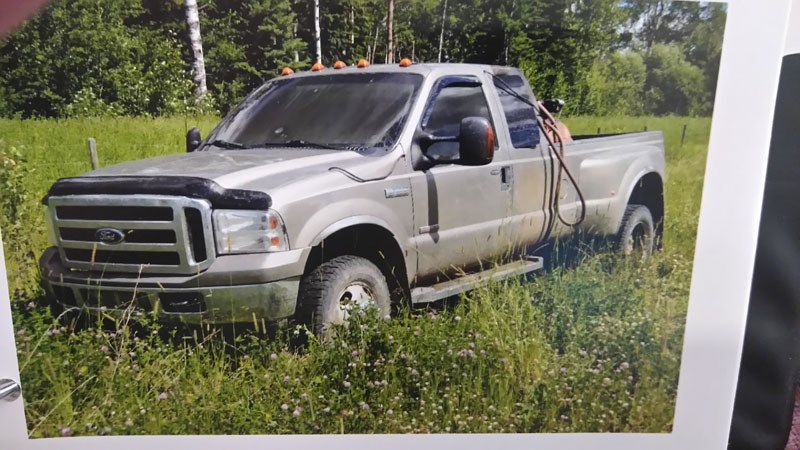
(443, 116)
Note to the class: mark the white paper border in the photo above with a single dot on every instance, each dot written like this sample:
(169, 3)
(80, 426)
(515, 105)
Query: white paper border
(737, 159)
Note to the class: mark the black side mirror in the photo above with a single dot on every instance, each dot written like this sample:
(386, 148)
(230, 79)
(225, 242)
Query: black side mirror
(193, 140)
(553, 105)
(476, 141)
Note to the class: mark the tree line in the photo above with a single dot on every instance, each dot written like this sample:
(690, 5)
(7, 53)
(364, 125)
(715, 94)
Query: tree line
(138, 57)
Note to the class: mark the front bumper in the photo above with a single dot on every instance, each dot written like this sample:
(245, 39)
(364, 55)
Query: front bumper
(236, 288)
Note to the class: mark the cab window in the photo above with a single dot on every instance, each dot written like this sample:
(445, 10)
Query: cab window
(447, 107)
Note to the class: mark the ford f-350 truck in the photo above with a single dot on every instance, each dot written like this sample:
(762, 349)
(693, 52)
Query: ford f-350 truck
(333, 189)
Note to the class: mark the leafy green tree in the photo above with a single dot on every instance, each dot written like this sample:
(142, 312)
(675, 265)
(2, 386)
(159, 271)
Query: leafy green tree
(673, 85)
(616, 85)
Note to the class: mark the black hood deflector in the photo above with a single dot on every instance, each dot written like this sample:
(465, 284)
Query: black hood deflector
(192, 187)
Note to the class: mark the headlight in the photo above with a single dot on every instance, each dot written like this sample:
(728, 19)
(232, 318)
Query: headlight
(241, 231)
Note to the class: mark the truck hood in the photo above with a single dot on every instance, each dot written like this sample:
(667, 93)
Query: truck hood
(249, 169)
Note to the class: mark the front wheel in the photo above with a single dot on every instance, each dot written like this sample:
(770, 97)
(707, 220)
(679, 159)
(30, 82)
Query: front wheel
(336, 289)
(636, 236)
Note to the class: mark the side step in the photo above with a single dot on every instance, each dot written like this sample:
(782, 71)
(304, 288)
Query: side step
(469, 282)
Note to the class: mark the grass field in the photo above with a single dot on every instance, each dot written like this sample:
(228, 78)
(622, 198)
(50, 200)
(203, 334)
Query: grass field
(595, 348)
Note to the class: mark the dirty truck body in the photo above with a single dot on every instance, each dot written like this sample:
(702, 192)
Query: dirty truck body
(320, 173)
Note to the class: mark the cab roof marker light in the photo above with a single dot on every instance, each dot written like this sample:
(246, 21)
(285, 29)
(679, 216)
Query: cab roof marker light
(287, 71)
(405, 62)
(317, 67)
(362, 63)
(339, 65)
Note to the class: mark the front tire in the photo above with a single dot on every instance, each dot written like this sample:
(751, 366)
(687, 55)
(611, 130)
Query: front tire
(636, 236)
(334, 290)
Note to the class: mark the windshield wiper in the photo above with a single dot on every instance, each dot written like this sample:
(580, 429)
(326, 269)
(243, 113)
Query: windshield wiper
(299, 143)
(228, 145)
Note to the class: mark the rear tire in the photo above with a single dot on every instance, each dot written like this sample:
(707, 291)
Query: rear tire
(329, 293)
(637, 232)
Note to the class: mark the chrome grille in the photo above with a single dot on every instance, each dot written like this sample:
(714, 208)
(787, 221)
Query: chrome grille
(162, 234)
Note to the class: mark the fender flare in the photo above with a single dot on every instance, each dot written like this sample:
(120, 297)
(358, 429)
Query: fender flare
(353, 221)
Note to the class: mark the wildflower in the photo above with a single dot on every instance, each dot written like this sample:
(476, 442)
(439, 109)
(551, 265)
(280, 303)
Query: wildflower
(129, 423)
(326, 409)
(364, 406)
(284, 407)
(354, 353)
(104, 348)
(296, 412)
(273, 357)
(346, 384)
(304, 396)
(162, 396)
(458, 318)
(606, 381)
(389, 412)
(66, 432)
(286, 380)
(624, 366)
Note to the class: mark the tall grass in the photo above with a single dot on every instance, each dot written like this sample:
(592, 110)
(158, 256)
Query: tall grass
(595, 348)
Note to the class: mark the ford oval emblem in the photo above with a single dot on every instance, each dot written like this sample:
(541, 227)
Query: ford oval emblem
(109, 235)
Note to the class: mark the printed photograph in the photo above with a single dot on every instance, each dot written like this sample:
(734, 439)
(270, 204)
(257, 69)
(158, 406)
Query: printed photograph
(353, 217)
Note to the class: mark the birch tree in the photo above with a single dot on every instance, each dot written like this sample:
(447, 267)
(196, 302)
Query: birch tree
(390, 34)
(317, 33)
(199, 66)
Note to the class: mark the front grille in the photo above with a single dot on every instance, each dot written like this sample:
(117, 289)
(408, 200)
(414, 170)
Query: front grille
(135, 234)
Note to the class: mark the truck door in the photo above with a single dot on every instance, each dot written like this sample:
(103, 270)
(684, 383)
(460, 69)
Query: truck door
(459, 210)
(533, 166)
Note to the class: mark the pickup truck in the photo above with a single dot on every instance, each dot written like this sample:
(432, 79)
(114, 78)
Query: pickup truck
(343, 188)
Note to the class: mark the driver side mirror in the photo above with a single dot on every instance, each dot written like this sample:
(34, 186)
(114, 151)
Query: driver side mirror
(193, 140)
(476, 142)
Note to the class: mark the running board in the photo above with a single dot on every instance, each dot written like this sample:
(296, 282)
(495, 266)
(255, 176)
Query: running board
(469, 282)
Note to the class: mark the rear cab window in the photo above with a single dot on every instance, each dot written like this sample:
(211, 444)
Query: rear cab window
(520, 116)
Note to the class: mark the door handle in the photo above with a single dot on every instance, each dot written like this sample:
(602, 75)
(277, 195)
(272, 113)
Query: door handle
(506, 178)
(9, 390)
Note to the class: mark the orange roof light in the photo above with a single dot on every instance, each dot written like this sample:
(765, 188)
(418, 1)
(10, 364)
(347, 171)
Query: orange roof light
(362, 63)
(405, 62)
(339, 65)
(317, 67)
(287, 71)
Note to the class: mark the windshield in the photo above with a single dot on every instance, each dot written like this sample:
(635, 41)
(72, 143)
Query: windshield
(341, 111)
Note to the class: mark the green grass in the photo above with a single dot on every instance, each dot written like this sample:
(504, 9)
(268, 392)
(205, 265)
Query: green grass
(595, 348)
